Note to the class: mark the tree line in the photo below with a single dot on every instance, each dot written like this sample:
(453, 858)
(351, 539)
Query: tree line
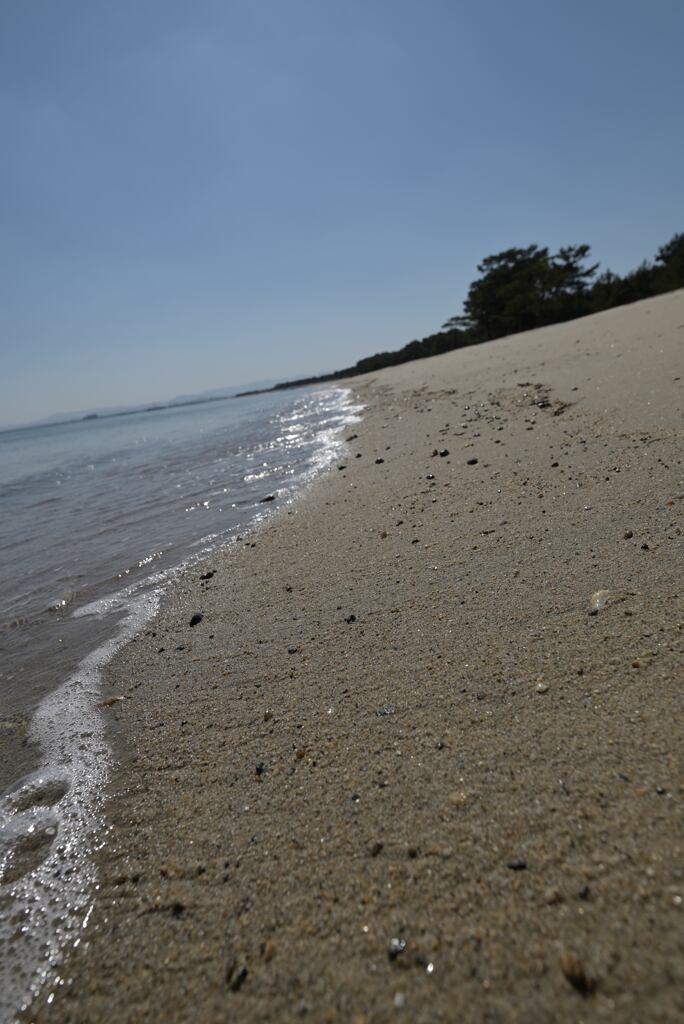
(522, 288)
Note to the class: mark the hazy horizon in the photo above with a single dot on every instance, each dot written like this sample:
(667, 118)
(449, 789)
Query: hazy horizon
(230, 191)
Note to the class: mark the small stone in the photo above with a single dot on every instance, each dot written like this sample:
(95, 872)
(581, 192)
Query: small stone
(443, 453)
(472, 462)
(236, 975)
(542, 687)
(268, 715)
(458, 797)
(628, 534)
(430, 476)
(517, 865)
(553, 896)
(292, 650)
(269, 497)
(396, 948)
(376, 848)
(260, 768)
(350, 618)
(196, 619)
(576, 973)
(644, 547)
(110, 701)
(379, 461)
(207, 575)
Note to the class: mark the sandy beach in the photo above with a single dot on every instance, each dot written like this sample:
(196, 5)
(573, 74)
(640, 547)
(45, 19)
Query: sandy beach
(421, 757)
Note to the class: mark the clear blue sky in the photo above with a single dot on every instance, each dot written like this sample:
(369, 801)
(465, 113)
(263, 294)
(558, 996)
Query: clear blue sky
(203, 194)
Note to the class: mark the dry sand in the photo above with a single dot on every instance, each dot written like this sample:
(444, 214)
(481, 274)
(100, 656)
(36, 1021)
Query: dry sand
(398, 771)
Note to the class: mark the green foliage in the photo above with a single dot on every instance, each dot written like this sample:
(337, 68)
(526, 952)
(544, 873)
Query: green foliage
(519, 289)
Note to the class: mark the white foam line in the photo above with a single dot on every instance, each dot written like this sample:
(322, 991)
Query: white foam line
(53, 902)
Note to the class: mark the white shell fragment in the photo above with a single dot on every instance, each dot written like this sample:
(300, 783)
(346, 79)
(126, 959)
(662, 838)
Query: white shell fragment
(599, 600)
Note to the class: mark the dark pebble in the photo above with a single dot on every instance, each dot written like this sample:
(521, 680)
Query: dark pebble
(177, 909)
(644, 547)
(358, 455)
(236, 976)
(350, 618)
(352, 437)
(517, 865)
(260, 768)
(443, 453)
(355, 798)
(430, 476)
(378, 461)
(196, 619)
(292, 650)
(341, 467)
(628, 534)
(207, 575)
(389, 709)
(376, 849)
(180, 647)
(269, 497)
(472, 462)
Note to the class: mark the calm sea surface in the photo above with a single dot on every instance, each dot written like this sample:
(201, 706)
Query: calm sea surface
(96, 517)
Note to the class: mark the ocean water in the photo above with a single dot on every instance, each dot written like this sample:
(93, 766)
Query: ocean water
(96, 519)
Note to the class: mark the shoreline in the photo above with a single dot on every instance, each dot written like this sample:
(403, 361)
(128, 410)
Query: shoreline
(398, 768)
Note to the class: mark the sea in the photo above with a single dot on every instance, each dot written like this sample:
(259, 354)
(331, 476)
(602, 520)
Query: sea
(97, 518)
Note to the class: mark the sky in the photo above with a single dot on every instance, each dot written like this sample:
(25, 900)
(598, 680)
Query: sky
(197, 195)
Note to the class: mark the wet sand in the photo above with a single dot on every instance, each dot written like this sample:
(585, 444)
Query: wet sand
(399, 770)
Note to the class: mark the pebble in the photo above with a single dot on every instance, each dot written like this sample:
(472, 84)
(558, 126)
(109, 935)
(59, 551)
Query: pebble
(628, 535)
(517, 865)
(196, 619)
(236, 975)
(378, 461)
(269, 497)
(443, 453)
(472, 462)
(396, 948)
(292, 650)
(110, 701)
(576, 973)
(542, 687)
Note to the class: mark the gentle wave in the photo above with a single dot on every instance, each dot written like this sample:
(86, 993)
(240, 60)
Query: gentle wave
(52, 820)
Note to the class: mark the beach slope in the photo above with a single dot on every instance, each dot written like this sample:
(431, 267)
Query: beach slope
(421, 757)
